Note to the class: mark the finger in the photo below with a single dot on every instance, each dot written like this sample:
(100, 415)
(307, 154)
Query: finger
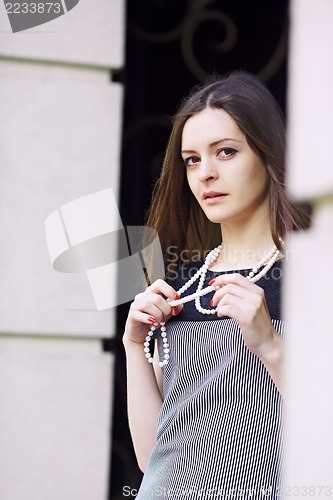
(155, 290)
(143, 317)
(230, 289)
(176, 309)
(148, 318)
(235, 278)
(164, 305)
(230, 306)
(237, 308)
(162, 287)
(153, 304)
(244, 311)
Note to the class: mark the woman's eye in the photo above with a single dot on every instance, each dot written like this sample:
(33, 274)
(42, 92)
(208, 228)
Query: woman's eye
(226, 152)
(191, 160)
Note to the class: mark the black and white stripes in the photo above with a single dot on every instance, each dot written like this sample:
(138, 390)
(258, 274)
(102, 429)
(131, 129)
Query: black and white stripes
(220, 426)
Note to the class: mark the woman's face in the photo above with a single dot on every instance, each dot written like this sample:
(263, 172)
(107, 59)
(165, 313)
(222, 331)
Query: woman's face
(228, 179)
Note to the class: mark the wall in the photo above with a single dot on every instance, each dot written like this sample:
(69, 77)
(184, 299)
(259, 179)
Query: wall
(308, 298)
(60, 131)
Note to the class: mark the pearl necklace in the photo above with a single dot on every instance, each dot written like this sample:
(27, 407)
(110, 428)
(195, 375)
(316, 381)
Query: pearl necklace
(253, 276)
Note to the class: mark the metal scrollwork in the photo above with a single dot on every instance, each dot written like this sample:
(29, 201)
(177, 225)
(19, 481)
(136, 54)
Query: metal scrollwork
(190, 28)
(188, 18)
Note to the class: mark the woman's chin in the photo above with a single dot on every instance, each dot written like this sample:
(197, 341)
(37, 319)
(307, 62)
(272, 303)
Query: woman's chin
(215, 220)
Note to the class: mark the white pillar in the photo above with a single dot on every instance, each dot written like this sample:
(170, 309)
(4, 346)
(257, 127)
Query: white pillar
(60, 130)
(308, 302)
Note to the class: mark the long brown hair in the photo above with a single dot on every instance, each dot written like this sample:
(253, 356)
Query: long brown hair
(175, 214)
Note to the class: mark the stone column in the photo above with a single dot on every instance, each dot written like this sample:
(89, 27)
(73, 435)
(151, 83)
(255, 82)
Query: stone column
(308, 302)
(60, 131)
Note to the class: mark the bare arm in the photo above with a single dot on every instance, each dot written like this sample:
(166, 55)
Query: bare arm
(143, 400)
(144, 393)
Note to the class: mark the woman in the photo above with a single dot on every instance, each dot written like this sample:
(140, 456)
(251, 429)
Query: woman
(205, 417)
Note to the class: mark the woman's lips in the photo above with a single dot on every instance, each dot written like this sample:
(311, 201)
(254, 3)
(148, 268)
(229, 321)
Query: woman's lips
(211, 197)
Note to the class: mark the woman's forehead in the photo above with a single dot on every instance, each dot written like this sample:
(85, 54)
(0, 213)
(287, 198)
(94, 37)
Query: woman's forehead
(209, 126)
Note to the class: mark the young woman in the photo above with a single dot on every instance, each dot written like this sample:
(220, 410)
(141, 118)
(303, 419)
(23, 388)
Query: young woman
(206, 416)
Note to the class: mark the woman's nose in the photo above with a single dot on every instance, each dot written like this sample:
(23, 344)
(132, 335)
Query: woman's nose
(207, 170)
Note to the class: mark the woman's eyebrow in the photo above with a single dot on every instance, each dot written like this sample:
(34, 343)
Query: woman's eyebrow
(218, 141)
(212, 144)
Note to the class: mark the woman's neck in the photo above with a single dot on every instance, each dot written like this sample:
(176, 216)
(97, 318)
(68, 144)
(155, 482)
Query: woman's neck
(243, 246)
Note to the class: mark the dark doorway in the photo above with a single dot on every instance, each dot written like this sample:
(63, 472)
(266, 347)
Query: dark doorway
(171, 45)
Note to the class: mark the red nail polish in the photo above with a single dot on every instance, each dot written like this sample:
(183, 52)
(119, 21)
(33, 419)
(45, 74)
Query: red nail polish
(175, 310)
(176, 297)
(212, 281)
(211, 303)
(152, 320)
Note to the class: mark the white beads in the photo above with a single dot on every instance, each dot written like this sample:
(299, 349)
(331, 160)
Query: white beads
(166, 349)
(273, 256)
(253, 276)
(193, 296)
(211, 257)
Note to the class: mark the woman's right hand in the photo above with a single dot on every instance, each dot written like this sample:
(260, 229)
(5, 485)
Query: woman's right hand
(147, 308)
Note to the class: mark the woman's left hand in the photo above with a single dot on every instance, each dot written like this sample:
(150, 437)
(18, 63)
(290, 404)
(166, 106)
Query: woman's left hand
(245, 302)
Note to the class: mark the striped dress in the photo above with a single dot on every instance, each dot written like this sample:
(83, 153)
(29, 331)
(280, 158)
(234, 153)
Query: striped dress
(220, 426)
